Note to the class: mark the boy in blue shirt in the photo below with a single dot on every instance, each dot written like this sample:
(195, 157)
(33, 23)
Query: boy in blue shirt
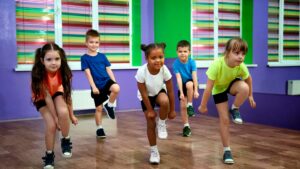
(186, 75)
(101, 79)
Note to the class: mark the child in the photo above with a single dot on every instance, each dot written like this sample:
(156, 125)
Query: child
(51, 94)
(229, 74)
(101, 79)
(152, 91)
(186, 74)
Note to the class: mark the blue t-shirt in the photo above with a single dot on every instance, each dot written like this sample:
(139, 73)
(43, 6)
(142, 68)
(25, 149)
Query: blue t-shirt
(184, 69)
(97, 65)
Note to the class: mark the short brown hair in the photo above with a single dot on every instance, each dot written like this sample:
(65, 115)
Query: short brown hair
(236, 45)
(184, 43)
(91, 33)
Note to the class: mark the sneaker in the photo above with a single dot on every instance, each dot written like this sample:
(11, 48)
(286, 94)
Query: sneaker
(66, 146)
(190, 111)
(227, 157)
(186, 131)
(162, 131)
(236, 116)
(49, 161)
(154, 157)
(110, 111)
(100, 133)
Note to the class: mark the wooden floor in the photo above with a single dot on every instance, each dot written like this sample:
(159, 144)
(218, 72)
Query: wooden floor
(126, 146)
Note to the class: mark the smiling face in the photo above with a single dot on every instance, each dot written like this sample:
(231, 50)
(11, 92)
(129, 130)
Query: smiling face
(183, 53)
(92, 44)
(155, 60)
(52, 61)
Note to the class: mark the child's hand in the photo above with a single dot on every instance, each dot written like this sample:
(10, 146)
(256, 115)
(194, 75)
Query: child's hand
(96, 90)
(252, 102)
(171, 114)
(181, 96)
(151, 114)
(57, 124)
(196, 94)
(202, 109)
(74, 120)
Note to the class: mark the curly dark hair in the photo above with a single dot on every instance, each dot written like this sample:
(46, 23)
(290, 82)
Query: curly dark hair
(147, 48)
(38, 72)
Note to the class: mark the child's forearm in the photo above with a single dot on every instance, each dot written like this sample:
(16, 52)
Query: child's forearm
(179, 82)
(90, 78)
(205, 97)
(110, 74)
(195, 80)
(249, 82)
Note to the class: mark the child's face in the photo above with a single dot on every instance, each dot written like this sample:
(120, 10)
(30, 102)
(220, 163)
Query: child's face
(52, 61)
(183, 53)
(235, 58)
(156, 59)
(92, 44)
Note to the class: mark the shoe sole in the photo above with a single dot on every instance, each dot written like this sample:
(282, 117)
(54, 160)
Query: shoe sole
(107, 113)
(102, 137)
(163, 138)
(48, 167)
(154, 163)
(228, 162)
(237, 122)
(67, 156)
(187, 135)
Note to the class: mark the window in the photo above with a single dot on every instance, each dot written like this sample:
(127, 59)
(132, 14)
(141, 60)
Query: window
(283, 35)
(214, 22)
(65, 22)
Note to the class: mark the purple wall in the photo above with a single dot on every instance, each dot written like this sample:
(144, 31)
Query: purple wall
(274, 107)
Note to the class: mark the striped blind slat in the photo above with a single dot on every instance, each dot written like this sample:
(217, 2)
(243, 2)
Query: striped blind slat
(273, 30)
(35, 27)
(203, 29)
(229, 22)
(114, 30)
(291, 30)
(76, 20)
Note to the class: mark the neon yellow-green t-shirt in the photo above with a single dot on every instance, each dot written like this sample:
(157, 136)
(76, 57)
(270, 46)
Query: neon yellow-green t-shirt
(222, 74)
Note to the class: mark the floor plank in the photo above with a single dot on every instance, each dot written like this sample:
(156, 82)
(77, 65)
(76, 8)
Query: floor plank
(126, 146)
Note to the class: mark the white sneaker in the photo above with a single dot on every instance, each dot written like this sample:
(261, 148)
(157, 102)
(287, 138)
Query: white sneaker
(154, 157)
(162, 131)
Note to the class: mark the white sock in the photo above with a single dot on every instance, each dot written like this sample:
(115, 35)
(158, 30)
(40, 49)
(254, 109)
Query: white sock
(226, 149)
(189, 104)
(99, 127)
(49, 151)
(110, 104)
(154, 148)
(160, 121)
(186, 124)
(68, 137)
(234, 107)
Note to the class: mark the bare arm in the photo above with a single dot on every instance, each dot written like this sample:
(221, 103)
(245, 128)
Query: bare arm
(91, 81)
(206, 95)
(179, 83)
(143, 90)
(195, 82)
(172, 113)
(251, 99)
(110, 74)
(71, 114)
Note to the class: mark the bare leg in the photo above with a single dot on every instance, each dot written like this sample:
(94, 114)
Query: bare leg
(151, 126)
(50, 129)
(183, 111)
(163, 101)
(98, 115)
(240, 90)
(63, 115)
(114, 91)
(190, 90)
(224, 122)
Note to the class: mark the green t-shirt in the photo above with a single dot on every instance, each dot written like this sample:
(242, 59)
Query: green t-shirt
(222, 74)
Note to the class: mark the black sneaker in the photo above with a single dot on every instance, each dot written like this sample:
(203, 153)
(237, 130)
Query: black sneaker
(236, 116)
(100, 133)
(190, 111)
(227, 157)
(110, 111)
(186, 131)
(49, 161)
(66, 147)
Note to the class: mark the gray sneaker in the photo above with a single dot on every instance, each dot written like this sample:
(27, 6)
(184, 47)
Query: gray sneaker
(236, 116)
(190, 111)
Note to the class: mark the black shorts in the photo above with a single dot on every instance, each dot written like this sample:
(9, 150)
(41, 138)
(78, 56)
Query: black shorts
(152, 100)
(223, 97)
(184, 89)
(103, 96)
(41, 103)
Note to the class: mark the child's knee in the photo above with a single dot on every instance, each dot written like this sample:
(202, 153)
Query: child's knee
(51, 127)
(225, 121)
(244, 88)
(63, 113)
(115, 88)
(189, 85)
(99, 109)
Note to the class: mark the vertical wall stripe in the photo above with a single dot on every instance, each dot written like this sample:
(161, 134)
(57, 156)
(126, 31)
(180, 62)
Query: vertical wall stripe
(136, 33)
(247, 28)
(172, 23)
